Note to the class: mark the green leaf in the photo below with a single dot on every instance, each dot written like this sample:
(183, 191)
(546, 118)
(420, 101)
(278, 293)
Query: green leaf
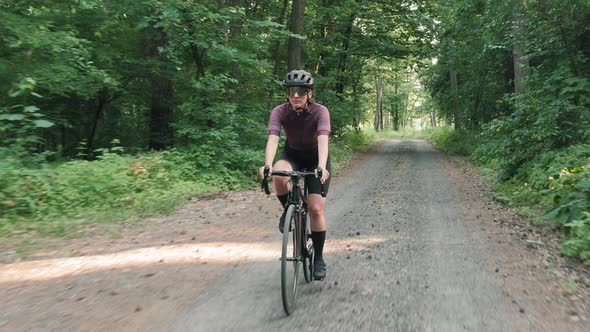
(15, 93)
(33, 139)
(584, 185)
(12, 117)
(553, 214)
(43, 123)
(31, 109)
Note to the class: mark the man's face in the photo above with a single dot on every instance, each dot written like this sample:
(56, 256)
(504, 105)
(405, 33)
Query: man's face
(298, 97)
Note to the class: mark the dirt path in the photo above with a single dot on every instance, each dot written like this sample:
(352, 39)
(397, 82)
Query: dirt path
(416, 243)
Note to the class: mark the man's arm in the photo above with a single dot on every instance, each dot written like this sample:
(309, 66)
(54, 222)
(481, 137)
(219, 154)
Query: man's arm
(271, 149)
(323, 156)
(269, 154)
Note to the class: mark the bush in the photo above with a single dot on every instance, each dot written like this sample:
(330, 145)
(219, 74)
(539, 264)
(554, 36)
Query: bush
(79, 190)
(578, 243)
(357, 140)
(453, 141)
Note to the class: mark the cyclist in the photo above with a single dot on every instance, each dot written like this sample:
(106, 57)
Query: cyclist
(307, 127)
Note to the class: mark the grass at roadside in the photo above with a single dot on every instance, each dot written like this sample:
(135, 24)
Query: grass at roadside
(79, 197)
(403, 134)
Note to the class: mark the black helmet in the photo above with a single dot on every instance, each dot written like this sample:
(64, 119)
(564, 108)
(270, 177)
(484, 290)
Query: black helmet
(298, 78)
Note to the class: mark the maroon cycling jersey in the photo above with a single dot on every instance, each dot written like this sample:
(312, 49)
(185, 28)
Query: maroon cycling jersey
(302, 128)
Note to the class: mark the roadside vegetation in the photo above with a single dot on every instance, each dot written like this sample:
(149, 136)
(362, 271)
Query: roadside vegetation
(63, 198)
(552, 187)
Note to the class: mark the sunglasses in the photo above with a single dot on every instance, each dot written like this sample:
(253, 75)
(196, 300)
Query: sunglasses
(299, 90)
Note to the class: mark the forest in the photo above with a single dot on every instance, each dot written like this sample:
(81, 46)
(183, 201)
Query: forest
(116, 108)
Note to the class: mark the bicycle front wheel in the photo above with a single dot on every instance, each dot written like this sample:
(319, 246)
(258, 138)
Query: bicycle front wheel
(307, 247)
(290, 258)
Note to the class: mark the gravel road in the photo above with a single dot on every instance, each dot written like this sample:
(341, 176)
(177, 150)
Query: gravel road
(415, 243)
(400, 258)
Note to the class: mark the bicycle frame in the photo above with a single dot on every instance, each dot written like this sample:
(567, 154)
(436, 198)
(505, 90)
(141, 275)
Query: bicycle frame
(296, 196)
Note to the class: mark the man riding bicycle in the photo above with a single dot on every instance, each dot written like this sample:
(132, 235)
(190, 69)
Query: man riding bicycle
(307, 127)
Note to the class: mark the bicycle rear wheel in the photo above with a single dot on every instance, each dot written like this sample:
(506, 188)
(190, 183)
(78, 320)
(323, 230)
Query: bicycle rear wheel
(290, 259)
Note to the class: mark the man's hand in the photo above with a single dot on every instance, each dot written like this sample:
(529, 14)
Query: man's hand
(325, 175)
(261, 170)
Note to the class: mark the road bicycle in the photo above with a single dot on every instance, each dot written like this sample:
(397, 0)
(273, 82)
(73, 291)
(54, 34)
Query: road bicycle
(297, 249)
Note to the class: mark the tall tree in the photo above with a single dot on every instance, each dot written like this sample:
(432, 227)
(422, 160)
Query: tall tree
(455, 96)
(161, 88)
(521, 60)
(379, 106)
(296, 27)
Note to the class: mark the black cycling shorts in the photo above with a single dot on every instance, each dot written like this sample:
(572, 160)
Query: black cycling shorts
(307, 160)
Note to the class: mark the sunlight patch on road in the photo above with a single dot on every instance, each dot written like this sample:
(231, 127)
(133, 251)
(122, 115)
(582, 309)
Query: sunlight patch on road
(212, 252)
(356, 243)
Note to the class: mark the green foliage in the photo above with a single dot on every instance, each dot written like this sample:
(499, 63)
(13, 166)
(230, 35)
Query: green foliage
(556, 181)
(21, 127)
(357, 140)
(570, 193)
(552, 117)
(64, 195)
(578, 243)
(454, 141)
(404, 134)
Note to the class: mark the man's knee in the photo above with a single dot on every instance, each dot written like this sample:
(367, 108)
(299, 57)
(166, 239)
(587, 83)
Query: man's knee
(282, 165)
(316, 209)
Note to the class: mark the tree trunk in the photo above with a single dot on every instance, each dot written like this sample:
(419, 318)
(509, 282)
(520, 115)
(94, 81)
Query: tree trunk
(322, 68)
(198, 57)
(379, 109)
(357, 118)
(396, 122)
(396, 119)
(161, 88)
(294, 49)
(100, 104)
(277, 47)
(343, 57)
(455, 97)
(235, 37)
(521, 60)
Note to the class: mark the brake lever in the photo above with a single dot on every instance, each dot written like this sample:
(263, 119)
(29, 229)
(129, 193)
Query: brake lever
(320, 173)
(265, 180)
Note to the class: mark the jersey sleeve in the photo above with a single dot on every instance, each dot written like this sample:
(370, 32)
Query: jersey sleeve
(323, 122)
(274, 123)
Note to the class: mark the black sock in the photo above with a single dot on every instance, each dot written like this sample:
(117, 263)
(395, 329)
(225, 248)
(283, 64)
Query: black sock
(283, 199)
(318, 243)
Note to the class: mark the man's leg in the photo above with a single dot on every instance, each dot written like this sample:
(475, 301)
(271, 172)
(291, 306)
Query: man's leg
(282, 186)
(318, 232)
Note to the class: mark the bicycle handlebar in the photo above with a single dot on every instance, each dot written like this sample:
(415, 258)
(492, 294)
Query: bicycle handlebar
(264, 185)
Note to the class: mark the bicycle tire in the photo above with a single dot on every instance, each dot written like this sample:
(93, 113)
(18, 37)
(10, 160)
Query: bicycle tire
(290, 259)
